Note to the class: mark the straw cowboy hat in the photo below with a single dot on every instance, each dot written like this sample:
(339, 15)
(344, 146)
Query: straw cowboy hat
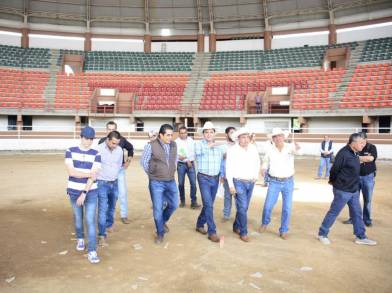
(208, 125)
(278, 131)
(241, 131)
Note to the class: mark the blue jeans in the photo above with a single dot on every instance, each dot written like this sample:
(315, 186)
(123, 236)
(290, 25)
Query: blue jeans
(107, 198)
(89, 208)
(341, 198)
(208, 187)
(123, 193)
(275, 187)
(164, 197)
(367, 186)
(227, 200)
(182, 169)
(243, 195)
(324, 162)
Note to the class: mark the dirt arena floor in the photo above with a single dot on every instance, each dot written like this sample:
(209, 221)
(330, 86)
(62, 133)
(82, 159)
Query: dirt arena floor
(37, 246)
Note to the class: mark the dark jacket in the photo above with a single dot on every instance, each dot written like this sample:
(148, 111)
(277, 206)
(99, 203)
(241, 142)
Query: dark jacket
(344, 173)
(370, 167)
(159, 167)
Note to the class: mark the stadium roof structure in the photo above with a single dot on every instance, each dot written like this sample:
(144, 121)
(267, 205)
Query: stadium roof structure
(187, 17)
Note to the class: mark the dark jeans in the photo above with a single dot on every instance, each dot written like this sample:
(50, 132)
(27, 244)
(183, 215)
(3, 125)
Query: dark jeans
(208, 187)
(164, 197)
(341, 198)
(243, 195)
(107, 198)
(182, 169)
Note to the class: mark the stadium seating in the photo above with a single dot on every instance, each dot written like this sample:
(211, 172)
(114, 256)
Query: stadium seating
(311, 88)
(22, 89)
(152, 91)
(138, 61)
(309, 56)
(377, 49)
(72, 92)
(24, 58)
(370, 87)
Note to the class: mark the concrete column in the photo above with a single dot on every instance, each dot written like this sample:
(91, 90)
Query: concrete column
(87, 42)
(303, 122)
(200, 43)
(77, 125)
(19, 122)
(267, 40)
(332, 37)
(147, 43)
(212, 42)
(25, 38)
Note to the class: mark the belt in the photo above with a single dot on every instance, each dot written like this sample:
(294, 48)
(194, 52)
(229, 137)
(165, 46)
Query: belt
(210, 176)
(280, 178)
(179, 162)
(244, 180)
(107, 181)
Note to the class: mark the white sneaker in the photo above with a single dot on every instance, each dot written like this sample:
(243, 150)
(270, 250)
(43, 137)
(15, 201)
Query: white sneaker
(324, 240)
(365, 241)
(80, 245)
(93, 257)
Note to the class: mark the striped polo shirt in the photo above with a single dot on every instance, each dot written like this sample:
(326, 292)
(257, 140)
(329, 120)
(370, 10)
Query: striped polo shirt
(82, 161)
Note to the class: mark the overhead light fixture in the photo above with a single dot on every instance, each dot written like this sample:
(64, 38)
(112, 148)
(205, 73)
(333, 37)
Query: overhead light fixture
(165, 32)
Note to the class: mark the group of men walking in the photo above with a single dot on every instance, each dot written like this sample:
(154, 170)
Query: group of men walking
(97, 178)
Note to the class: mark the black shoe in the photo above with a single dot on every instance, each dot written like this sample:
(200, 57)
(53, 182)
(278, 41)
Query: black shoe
(195, 206)
(182, 204)
(347, 221)
(368, 224)
(166, 228)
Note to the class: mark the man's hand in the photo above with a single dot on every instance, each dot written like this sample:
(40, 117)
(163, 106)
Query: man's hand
(221, 180)
(232, 191)
(127, 162)
(93, 175)
(81, 199)
(211, 144)
(263, 171)
(189, 164)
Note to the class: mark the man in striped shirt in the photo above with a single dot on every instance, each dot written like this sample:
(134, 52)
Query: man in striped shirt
(209, 158)
(82, 164)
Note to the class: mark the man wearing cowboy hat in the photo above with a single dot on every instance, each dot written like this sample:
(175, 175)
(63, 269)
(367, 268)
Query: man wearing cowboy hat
(280, 161)
(242, 171)
(208, 158)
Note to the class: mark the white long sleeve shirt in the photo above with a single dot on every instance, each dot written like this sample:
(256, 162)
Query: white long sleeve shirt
(186, 148)
(242, 163)
(280, 163)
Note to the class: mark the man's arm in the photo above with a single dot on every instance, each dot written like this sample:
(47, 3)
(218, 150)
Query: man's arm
(369, 158)
(336, 167)
(146, 157)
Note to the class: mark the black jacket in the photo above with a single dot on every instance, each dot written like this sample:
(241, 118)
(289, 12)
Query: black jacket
(344, 173)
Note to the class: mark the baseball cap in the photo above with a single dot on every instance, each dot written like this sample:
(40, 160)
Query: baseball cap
(88, 132)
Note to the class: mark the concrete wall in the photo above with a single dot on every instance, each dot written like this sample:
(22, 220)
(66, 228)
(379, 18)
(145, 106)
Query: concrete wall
(123, 124)
(220, 124)
(174, 46)
(335, 124)
(266, 124)
(364, 33)
(155, 123)
(3, 122)
(53, 123)
(10, 39)
(53, 42)
(116, 45)
(234, 45)
(290, 41)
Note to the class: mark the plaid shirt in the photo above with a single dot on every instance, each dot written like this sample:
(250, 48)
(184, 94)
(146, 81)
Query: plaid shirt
(208, 159)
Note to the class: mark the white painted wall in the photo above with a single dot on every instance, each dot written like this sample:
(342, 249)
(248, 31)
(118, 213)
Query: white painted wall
(235, 45)
(123, 124)
(155, 123)
(13, 39)
(206, 44)
(266, 124)
(175, 46)
(363, 33)
(117, 45)
(3, 123)
(53, 123)
(290, 41)
(220, 124)
(53, 42)
(334, 124)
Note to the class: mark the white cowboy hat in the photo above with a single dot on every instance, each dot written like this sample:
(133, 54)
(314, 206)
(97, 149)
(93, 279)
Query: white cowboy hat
(241, 131)
(278, 131)
(208, 125)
